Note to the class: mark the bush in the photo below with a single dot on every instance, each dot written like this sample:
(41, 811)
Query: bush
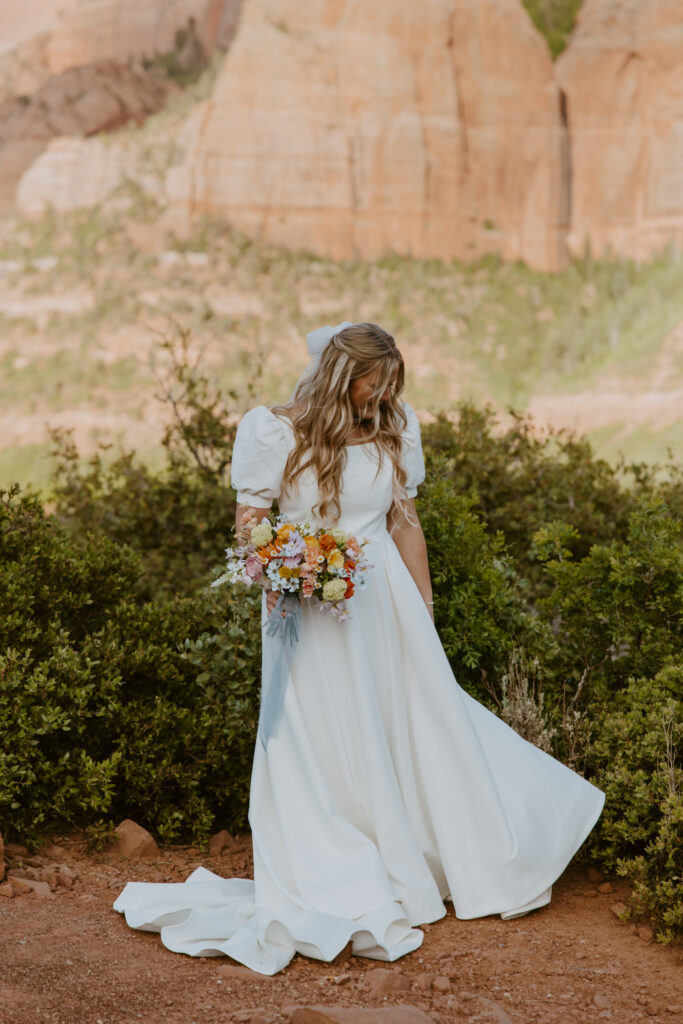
(109, 707)
(634, 758)
(480, 607)
(522, 481)
(618, 612)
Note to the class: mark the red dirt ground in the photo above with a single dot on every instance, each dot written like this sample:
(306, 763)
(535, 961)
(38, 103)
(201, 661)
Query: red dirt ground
(68, 958)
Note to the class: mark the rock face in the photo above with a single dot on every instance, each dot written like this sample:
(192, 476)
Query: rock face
(358, 129)
(621, 76)
(41, 38)
(85, 100)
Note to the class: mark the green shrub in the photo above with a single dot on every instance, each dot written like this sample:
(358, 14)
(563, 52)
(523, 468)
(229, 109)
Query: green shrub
(618, 612)
(111, 707)
(480, 606)
(520, 481)
(634, 758)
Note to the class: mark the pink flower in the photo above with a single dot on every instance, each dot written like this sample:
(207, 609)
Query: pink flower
(253, 567)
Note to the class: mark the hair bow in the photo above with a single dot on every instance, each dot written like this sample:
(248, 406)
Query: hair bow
(320, 337)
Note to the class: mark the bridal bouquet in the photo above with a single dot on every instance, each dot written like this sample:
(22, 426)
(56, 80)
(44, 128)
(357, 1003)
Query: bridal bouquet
(292, 558)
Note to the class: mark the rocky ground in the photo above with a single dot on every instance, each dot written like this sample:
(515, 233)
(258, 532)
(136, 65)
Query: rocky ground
(68, 958)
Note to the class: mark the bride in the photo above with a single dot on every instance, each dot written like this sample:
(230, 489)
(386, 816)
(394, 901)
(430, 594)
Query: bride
(386, 789)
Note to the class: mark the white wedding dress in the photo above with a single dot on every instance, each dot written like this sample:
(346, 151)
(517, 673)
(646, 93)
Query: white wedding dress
(386, 788)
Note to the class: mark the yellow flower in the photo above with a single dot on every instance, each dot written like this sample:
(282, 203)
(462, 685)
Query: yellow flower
(335, 559)
(339, 536)
(334, 590)
(284, 531)
(261, 534)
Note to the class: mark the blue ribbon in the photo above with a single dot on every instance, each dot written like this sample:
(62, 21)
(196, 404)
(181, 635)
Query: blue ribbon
(279, 647)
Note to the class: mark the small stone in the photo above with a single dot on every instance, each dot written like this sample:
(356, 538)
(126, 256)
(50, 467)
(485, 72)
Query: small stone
(383, 982)
(6, 889)
(134, 841)
(606, 887)
(20, 886)
(594, 875)
(423, 981)
(618, 908)
(675, 1008)
(220, 841)
(342, 979)
(651, 1009)
(441, 984)
(15, 850)
(65, 877)
(602, 1002)
(645, 933)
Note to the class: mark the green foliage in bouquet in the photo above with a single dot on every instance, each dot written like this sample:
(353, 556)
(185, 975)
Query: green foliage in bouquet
(635, 759)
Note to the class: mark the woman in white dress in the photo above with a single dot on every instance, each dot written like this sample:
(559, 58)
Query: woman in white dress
(386, 788)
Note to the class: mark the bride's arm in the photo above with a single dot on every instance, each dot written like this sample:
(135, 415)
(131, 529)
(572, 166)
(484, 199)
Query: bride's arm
(412, 547)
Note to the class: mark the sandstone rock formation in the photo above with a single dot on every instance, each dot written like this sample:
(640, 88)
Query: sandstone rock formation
(41, 38)
(356, 130)
(85, 100)
(621, 75)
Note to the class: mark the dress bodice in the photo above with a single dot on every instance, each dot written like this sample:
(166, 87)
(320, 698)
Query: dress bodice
(263, 444)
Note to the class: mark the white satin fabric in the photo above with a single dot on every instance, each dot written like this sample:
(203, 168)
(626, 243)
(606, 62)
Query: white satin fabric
(387, 788)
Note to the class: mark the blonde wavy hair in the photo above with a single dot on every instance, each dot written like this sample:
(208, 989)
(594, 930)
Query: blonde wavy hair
(323, 416)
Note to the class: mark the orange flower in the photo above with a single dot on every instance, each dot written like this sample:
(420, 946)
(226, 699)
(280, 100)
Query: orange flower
(327, 542)
(284, 531)
(349, 589)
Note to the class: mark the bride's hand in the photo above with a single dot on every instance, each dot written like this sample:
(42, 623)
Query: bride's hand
(271, 600)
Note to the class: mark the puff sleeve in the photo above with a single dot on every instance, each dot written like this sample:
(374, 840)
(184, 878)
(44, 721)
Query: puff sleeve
(413, 459)
(258, 458)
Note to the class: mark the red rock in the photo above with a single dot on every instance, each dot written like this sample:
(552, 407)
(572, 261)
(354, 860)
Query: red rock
(134, 841)
(424, 981)
(6, 889)
(26, 885)
(65, 877)
(606, 887)
(620, 75)
(381, 981)
(15, 850)
(20, 886)
(645, 933)
(441, 984)
(82, 101)
(618, 908)
(472, 157)
(219, 842)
